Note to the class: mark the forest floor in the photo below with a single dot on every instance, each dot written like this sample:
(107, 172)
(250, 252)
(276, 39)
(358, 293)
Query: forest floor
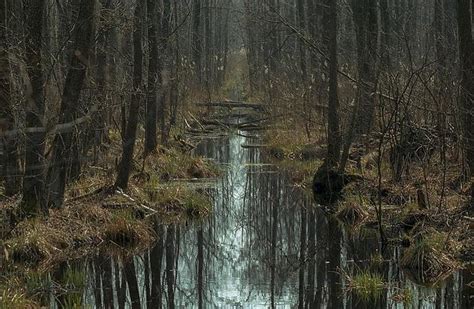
(168, 186)
(423, 213)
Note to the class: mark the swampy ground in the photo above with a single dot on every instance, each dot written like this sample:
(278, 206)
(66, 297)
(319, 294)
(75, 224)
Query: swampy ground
(247, 235)
(224, 217)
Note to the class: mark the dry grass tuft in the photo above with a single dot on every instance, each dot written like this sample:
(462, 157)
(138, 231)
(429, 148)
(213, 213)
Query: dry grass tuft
(430, 256)
(352, 213)
(72, 232)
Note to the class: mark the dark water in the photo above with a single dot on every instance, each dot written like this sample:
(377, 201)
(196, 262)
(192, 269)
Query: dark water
(264, 246)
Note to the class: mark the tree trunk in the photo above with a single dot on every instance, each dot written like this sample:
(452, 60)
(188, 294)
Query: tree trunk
(151, 100)
(366, 25)
(386, 36)
(63, 145)
(466, 54)
(302, 25)
(11, 167)
(34, 157)
(196, 40)
(330, 43)
(131, 131)
(97, 131)
(165, 78)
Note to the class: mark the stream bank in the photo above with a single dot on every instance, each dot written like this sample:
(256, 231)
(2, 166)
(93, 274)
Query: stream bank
(265, 244)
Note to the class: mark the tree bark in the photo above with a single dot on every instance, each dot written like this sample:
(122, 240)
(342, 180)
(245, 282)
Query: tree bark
(330, 43)
(34, 157)
(302, 25)
(466, 54)
(125, 165)
(386, 35)
(164, 63)
(366, 25)
(196, 40)
(63, 145)
(11, 167)
(151, 100)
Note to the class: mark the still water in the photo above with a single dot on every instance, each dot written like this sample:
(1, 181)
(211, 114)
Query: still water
(265, 245)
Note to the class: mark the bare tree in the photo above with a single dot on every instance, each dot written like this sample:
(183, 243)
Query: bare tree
(63, 142)
(330, 43)
(466, 54)
(11, 167)
(126, 161)
(196, 39)
(366, 25)
(151, 99)
(35, 141)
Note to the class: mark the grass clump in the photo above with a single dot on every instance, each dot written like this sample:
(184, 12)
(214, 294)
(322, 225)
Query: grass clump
(34, 241)
(301, 172)
(13, 299)
(429, 257)
(176, 202)
(73, 232)
(125, 229)
(294, 153)
(74, 282)
(367, 285)
(175, 164)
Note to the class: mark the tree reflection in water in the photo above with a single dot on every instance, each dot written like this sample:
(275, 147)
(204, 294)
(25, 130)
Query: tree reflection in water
(265, 245)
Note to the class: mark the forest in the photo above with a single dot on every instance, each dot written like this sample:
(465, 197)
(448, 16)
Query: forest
(236, 154)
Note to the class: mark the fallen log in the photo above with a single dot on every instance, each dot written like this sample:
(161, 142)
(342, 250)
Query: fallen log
(232, 104)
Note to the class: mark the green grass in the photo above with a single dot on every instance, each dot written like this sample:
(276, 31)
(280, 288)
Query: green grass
(74, 281)
(367, 285)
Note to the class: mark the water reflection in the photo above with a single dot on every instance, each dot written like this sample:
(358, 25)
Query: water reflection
(264, 246)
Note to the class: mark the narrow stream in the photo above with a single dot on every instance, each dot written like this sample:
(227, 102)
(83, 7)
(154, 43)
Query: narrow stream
(263, 246)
